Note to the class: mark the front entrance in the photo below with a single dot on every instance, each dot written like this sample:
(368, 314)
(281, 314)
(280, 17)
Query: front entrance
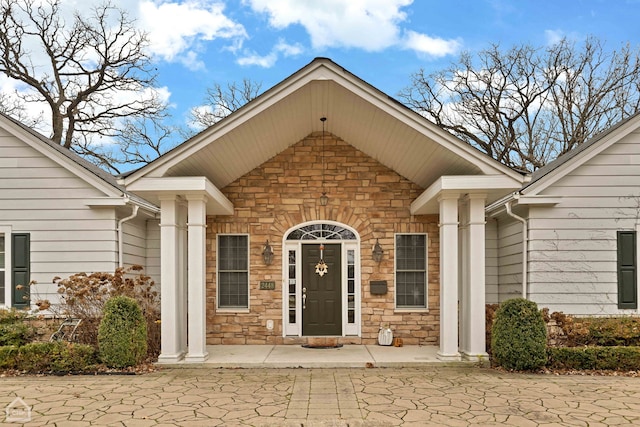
(321, 295)
(327, 304)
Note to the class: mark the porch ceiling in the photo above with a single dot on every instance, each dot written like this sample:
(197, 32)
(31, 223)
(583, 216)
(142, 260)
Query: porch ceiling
(358, 113)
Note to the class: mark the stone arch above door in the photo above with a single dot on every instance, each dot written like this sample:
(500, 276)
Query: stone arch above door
(343, 216)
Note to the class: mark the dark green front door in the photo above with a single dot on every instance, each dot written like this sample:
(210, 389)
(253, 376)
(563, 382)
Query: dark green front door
(322, 306)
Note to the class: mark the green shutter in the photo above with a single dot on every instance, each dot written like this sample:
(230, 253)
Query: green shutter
(20, 270)
(627, 287)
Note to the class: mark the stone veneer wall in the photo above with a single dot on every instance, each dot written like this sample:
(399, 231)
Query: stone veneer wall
(284, 192)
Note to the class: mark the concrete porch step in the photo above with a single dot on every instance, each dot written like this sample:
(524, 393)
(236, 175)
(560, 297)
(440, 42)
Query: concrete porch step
(296, 356)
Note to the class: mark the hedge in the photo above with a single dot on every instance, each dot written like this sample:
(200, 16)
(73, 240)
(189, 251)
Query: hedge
(594, 358)
(48, 357)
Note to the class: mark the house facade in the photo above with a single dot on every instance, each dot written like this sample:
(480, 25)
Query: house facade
(567, 239)
(323, 208)
(60, 215)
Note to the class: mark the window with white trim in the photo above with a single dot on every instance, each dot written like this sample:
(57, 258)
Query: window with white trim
(233, 271)
(411, 271)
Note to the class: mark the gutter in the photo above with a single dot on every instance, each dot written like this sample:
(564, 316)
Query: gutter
(134, 213)
(525, 240)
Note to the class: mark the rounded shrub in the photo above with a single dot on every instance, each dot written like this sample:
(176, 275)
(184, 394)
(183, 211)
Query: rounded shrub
(519, 336)
(122, 334)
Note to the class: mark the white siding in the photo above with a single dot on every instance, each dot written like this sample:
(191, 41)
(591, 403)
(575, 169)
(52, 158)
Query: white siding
(509, 258)
(134, 243)
(141, 239)
(39, 197)
(573, 255)
(153, 250)
(491, 263)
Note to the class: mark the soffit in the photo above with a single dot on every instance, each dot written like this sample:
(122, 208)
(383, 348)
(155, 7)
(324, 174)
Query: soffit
(357, 112)
(357, 121)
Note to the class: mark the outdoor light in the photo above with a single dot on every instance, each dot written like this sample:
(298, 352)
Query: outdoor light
(377, 252)
(267, 253)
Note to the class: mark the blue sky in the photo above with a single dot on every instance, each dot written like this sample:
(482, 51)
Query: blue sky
(381, 41)
(196, 43)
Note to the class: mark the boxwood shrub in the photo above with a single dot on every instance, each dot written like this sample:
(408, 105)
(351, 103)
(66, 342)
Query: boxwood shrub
(519, 336)
(122, 335)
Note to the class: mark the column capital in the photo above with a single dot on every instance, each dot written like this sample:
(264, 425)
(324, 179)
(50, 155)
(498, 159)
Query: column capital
(195, 197)
(167, 197)
(448, 196)
(475, 196)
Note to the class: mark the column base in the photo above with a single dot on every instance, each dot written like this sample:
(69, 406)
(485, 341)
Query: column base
(196, 358)
(476, 357)
(170, 358)
(449, 357)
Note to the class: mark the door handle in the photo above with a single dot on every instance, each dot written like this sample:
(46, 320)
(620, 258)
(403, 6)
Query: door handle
(304, 298)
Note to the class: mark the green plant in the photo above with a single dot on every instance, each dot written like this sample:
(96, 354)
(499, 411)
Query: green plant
(14, 328)
(83, 296)
(519, 336)
(42, 357)
(8, 355)
(122, 335)
(599, 358)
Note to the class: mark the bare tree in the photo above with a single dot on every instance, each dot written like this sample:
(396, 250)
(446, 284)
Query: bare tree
(91, 72)
(14, 107)
(525, 106)
(222, 101)
(143, 140)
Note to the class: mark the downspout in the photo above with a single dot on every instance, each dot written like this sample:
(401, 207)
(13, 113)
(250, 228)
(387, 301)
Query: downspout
(525, 239)
(134, 213)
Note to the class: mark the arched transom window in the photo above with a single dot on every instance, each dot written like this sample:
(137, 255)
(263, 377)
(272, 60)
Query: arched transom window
(322, 231)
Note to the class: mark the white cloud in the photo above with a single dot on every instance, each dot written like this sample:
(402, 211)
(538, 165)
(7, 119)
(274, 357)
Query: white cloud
(264, 61)
(431, 46)
(288, 49)
(267, 61)
(371, 25)
(176, 29)
(553, 36)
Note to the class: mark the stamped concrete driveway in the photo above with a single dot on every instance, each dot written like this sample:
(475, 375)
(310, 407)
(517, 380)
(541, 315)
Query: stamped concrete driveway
(442, 396)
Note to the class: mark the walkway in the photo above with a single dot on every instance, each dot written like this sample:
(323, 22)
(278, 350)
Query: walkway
(295, 356)
(432, 395)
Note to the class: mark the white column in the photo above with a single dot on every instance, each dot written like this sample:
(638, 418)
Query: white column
(475, 289)
(182, 272)
(196, 225)
(463, 280)
(448, 277)
(171, 350)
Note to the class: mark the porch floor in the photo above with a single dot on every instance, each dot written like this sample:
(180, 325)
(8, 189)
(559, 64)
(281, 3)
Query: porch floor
(296, 356)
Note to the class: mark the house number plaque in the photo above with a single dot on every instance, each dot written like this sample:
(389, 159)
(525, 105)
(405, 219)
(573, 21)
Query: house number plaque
(267, 286)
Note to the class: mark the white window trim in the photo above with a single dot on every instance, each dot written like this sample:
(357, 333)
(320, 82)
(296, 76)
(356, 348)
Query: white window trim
(246, 309)
(424, 309)
(6, 230)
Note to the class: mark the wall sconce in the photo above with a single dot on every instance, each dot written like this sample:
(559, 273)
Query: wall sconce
(377, 252)
(267, 253)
